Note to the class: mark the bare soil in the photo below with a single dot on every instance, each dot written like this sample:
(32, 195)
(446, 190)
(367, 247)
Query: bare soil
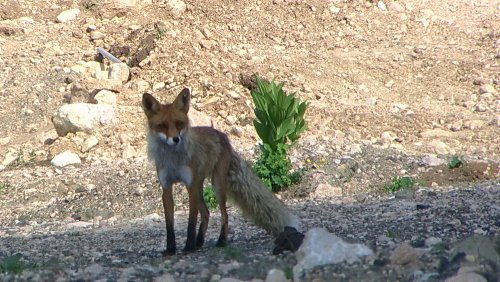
(386, 87)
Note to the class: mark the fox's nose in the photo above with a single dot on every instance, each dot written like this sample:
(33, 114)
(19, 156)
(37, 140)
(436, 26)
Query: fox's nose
(176, 139)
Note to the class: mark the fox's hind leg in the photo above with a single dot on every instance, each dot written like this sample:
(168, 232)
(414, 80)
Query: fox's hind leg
(205, 215)
(221, 184)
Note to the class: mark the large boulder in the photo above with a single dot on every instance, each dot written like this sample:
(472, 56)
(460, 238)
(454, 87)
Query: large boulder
(82, 117)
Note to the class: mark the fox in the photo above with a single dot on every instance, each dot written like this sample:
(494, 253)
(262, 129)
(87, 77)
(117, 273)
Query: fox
(189, 155)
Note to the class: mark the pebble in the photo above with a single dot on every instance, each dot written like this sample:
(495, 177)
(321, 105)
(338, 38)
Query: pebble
(432, 160)
(405, 254)
(487, 88)
(276, 275)
(106, 97)
(66, 158)
(68, 15)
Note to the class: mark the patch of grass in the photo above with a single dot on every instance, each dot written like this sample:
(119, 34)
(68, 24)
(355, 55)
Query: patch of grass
(232, 252)
(288, 273)
(210, 197)
(4, 186)
(399, 183)
(12, 264)
(456, 162)
(25, 158)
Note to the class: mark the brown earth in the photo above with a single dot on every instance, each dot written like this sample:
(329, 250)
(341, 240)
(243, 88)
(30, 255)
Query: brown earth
(385, 88)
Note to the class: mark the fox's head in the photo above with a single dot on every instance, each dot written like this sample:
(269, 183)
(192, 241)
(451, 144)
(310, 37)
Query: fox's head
(168, 121)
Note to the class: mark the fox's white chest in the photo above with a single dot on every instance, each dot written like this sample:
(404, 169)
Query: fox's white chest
(169, 175)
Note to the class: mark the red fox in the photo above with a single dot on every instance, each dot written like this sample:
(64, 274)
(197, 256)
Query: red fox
(190, 154)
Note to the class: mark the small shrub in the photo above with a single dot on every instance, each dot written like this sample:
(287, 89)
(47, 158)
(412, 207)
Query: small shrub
(12, 264)
(456, 162)
(210, 197)
(279, 117)
(279, 123)
(273, 168)
(400, 183)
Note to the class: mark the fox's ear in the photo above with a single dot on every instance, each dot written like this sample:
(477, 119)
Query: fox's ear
(183, 99)
(150, 105)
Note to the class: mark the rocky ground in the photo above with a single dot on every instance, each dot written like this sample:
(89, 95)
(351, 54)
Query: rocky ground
(394, 89)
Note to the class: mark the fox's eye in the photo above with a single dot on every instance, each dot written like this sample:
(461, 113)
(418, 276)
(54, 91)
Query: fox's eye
(179, 124)
(163, 126)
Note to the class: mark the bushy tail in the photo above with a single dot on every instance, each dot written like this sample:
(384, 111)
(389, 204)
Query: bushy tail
(255, 200)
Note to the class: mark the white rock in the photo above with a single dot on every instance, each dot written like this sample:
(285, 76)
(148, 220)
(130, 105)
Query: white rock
(432, 160)
(68, 15)
(158, 86)
(89, 143)
(93, 271)
(10, 157)
(120, 72)
(441, 148)
(431, 241)
(321, 247)
(276, 275)
(82, 117)
(65, 158)
(152, 219)
(106, 97)
(381, 5)
(177, 8)
(79, 225)
(487, 88)
(97, 35)
(4, 141)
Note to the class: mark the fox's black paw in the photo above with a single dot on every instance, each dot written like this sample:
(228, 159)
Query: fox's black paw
(288, 240)
(168, 252)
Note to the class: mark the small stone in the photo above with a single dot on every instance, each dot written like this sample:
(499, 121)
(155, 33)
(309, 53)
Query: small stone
(237, 131)
(474, 124)
(68, 15)
(467, 277)
(233, 94)
(432, 160)
(327, 190)
(433, 133)
(4, 141)
(93, 271)
(405, 254)
(480, 108)
(129, 152)
(89, 143)
(106, 97)
(120, 72)
(66, 158)
(97, 35)
(439, 147)
(177, 8)
(158, 86)
(276, 275)
(152, 219)
(231, 119)
(142, 85)
(487, 88)
(381, 5)
(10, 157)
(432, 241)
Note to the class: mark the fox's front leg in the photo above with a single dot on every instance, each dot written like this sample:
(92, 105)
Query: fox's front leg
(168, 206)
(195, 191)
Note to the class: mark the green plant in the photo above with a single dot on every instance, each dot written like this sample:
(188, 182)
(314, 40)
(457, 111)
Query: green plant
(4, 186)
(279, 123)
(273, 168)
(12, 264)
(279, 117)
(210, 197)
(400, 183)
(232, 252)
(456, 162)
